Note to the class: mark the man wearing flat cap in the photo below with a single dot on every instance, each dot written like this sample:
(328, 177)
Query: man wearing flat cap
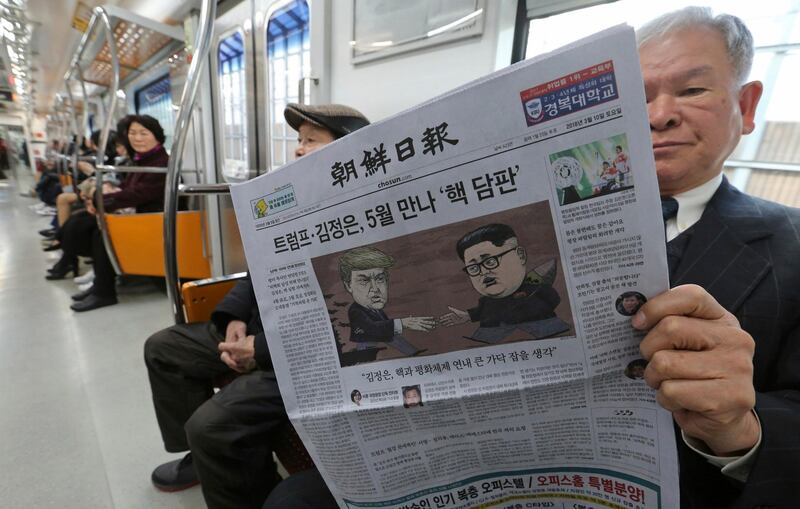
(229, 432)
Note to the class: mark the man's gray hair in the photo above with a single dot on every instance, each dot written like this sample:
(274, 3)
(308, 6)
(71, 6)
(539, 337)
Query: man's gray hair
(738, 39)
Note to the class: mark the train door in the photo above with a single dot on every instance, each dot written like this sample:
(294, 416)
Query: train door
(235, 136)
(262, 60)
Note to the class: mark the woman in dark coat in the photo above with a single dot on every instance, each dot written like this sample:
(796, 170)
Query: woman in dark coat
(142, 191)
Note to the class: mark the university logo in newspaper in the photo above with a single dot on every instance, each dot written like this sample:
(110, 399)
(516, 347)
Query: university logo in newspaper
(272, 203)
(568, 94)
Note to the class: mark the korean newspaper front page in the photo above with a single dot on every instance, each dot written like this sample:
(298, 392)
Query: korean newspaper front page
(447, 294)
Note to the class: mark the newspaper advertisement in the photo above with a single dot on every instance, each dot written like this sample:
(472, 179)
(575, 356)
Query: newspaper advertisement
(447, 294)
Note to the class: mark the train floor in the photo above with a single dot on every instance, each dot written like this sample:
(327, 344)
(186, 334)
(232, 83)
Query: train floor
(77, 427)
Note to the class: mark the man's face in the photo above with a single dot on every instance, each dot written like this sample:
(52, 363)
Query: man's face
(505, 278)
(697, 110)
(370, 287)
(311, 138)
(411, 397)
(630, 304)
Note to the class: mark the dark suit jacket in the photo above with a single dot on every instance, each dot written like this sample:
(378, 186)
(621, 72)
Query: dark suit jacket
(529, 303)
(240, 304)
(369, 325)
(746, 253)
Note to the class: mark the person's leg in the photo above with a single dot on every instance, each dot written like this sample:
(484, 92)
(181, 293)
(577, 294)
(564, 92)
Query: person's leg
(104, 290)
(64, 203)
(182, 362)
(74, 237)
(76, 234)
(230, 437)
(303, 490)
(104, 274)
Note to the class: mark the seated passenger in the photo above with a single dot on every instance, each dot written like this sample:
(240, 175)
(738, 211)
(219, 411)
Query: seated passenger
(142, 191)
(229, 433)
(736, 413)
(66, 201)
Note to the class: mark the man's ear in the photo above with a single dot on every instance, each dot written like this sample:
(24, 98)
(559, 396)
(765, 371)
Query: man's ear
(749, 95)
(523, 256)
(347, 287)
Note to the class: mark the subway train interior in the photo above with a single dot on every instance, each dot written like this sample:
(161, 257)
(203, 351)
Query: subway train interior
(77, 422)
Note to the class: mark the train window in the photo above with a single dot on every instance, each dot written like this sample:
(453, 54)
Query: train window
(776, 32)
(289, 60)
(155, 99)
(232, 97)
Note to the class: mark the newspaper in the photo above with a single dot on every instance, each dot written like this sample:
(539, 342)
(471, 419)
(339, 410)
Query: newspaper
(447, 293)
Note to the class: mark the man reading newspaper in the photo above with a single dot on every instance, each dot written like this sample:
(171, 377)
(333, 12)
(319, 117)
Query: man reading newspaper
(724, 344)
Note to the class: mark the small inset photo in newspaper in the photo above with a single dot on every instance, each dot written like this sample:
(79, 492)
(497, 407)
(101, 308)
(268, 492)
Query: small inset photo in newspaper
(592, 170)
(635, 369)
(412, 396)
(486, 281)
(628, 303)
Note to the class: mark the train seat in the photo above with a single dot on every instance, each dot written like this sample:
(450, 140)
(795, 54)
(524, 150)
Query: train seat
(138, 241)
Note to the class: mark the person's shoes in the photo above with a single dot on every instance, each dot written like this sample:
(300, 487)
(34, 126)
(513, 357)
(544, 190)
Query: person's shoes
(86, 278)
(47, 211)
(61, 269)
(48, 233)
(93, 302)
(82, 294)
(54, 247)
(175, 475)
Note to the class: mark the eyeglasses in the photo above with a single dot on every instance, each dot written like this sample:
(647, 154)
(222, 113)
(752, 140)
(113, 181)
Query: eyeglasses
(492, 262)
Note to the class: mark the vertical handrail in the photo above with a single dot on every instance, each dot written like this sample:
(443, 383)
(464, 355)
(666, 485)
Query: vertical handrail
(85, 111)
(101, 14)
(202, 46)
(78, 136)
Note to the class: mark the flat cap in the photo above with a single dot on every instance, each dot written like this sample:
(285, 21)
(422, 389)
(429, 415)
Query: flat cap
(337, 118)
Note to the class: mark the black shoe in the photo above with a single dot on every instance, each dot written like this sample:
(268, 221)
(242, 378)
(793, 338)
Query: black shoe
(93, 302)
(48, 233)
(55, 246)
(82, 295)
(176, 475)
(61, 269)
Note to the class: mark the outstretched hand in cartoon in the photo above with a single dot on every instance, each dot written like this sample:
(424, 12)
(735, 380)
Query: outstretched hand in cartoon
(419, 323)
(454, 317)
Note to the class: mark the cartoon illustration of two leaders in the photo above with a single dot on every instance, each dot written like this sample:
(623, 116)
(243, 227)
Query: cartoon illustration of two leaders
(511, 296)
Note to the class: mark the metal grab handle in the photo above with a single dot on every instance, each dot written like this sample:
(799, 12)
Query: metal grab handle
(202, 45)
(132, 169)
(762, 165)
(204, 189)
(301, 88)
(78, 135)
